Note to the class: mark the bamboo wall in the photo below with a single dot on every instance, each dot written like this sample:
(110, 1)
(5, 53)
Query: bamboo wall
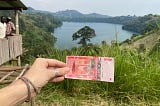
(10, 48)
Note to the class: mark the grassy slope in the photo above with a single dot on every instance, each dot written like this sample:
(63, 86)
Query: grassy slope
(149, 40)
(137, 81)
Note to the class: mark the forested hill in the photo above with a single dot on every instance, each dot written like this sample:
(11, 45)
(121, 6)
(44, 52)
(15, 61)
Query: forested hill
(143, 24)
(68, 14)
(76, 16)
(139, 24)
(37, 29)
(149, 39)
(72, 14)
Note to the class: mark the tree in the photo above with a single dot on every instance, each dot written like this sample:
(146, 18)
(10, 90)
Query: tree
(84, 34)
(90, 50)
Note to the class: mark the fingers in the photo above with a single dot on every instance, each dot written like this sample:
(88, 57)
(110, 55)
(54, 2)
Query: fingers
(57, 79)
(49, 62)
(57, 72)
(60, 71)
(55, 63)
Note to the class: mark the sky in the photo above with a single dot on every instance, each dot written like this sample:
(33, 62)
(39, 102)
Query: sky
(105, 7)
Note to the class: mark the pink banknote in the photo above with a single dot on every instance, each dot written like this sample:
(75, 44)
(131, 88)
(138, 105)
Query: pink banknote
(90, 68)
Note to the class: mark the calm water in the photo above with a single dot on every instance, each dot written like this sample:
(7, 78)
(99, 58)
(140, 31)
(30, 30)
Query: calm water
(104, 31)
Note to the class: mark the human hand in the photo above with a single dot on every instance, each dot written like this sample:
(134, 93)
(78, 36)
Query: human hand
(43, 71)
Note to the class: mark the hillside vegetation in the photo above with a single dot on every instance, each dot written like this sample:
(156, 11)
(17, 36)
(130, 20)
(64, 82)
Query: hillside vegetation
(143, 42)
(138, 24)
(143, 24)
(76, 16)
(37, 31)
(148, 40)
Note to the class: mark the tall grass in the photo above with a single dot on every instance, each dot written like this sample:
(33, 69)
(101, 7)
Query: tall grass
(137, 78)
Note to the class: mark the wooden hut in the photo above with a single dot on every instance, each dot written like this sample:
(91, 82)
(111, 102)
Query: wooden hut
(11, 48)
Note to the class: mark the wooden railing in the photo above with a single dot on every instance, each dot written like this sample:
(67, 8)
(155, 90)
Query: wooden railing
(10, 48)
(9, 73)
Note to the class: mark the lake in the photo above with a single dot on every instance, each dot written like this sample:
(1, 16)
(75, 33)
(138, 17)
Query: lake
(104, 32)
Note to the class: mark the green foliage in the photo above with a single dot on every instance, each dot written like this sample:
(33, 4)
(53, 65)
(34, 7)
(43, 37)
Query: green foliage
(152, 24)
(128, 41)
(84, 34)
(134, 35)
(46, 22)
(7, 13)
(156, 49)
(143, 24)
(37, 30)
(90, 50)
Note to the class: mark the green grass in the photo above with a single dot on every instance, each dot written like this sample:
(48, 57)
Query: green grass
(137, 82)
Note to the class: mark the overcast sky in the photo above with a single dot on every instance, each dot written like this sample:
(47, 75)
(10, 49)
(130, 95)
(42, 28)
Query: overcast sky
(106, 7)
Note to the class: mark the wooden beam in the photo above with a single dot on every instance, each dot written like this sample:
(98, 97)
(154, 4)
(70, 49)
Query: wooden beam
(6, 82)
(10, 68)
(3, 78)
(13, 76)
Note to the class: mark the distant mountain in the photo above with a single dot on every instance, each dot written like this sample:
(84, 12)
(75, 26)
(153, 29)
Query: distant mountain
(97, 15)
(77, 14)
(31, 10)
(69, 14)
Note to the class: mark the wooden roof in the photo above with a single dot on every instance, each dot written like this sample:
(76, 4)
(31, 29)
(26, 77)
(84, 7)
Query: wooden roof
(12, 5)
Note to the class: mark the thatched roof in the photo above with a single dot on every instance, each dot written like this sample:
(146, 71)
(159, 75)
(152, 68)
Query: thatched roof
(12, 5)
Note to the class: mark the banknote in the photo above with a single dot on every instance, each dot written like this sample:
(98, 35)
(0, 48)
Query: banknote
(90, 68)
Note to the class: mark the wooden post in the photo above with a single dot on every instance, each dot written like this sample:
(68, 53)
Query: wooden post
(17, 22)
(19, 60)
(17, 32)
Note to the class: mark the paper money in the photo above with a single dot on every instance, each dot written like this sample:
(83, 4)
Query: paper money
(90, 68)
